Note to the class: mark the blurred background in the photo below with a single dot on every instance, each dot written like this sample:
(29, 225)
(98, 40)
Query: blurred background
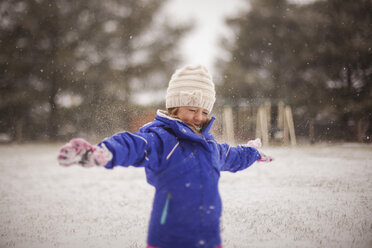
(93, 68)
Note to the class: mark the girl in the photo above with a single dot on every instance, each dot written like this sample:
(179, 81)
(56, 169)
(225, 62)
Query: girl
(182, 161)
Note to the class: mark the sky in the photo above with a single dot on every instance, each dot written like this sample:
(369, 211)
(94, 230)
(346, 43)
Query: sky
(201, 45)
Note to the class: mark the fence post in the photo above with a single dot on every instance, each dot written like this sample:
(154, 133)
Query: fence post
(261, 126)
(228, 127)
(280, 119)
(290, 124)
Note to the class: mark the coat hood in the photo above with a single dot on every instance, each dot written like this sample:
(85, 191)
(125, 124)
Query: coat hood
(180, 128)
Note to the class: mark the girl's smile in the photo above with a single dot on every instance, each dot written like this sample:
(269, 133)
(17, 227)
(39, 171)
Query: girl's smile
(193, 115)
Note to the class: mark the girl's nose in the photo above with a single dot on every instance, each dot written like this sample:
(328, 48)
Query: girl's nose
(198, 116)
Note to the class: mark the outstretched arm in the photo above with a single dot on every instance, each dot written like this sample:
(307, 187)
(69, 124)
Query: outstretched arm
(123, 149)
(242, 156)
(129, 149)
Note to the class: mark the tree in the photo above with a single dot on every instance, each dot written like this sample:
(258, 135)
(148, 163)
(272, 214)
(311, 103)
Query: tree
(91, 51)
(314, 57)
(345, 59)
(264, 42)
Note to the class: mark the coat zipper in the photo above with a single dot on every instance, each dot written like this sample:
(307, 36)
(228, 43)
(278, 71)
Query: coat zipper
(165, 210)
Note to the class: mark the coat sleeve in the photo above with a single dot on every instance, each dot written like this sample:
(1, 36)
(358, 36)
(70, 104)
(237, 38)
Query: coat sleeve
(237, 158)
(131, 149)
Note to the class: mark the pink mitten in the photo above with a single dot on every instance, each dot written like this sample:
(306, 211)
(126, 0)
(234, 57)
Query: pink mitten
(80, 152)
(265, 158)
(72, 152)
(257, 144)
(96, 156)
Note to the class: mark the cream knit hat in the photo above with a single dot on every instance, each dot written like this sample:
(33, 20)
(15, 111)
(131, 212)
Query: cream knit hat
(192, 86)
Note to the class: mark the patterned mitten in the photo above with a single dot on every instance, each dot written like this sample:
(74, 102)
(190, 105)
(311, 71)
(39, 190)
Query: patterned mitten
(80, 152)
(257, 144)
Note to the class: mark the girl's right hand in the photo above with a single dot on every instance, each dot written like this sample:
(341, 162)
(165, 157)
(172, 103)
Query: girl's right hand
(80, 152)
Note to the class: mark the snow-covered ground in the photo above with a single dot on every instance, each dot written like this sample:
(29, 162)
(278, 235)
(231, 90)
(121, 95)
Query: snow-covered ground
(310, 196)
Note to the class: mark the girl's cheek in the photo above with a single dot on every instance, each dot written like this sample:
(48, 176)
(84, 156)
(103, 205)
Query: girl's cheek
(186, 118)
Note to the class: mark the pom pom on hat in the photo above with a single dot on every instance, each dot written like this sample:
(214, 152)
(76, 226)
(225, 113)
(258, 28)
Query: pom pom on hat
(192, 86)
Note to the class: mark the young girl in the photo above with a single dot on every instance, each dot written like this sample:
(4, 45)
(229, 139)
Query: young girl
(182, 161)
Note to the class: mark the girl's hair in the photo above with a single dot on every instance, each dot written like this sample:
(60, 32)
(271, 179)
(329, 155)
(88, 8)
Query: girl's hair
(173, 112)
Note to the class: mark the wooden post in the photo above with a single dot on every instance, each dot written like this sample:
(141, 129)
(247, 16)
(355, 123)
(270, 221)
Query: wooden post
(228, 125)
(290, 124)
(248, 119)
(265, 133)
(243, 120)
(268, 114)
(285, 131)
(258, 124)
(261, 126)
(280, 119)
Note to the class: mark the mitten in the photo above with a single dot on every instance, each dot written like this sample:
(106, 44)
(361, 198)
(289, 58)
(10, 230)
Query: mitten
(265, 158)
(80, 152)
(257, 144)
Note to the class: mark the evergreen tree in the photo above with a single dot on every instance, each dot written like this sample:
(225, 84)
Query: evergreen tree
(315, 57)
(73, 65)
(344, 58)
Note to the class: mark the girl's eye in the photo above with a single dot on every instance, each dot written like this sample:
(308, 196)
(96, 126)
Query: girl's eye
(192, 110)
(205, 113)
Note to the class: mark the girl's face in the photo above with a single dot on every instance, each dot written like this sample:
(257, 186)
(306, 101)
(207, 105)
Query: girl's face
(193, 115)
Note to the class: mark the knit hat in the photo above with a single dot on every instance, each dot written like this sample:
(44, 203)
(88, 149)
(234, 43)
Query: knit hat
(192, 86)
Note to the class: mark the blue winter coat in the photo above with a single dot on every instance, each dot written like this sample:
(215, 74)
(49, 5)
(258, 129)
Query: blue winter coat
(184, 168)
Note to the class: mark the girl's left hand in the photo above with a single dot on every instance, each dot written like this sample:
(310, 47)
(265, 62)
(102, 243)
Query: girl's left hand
(257, 144)
(265, 158)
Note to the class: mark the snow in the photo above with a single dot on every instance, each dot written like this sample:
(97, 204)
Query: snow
(310, 196)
